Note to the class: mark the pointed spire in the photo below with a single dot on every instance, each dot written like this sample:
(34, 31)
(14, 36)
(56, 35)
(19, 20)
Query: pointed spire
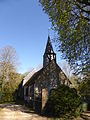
(49, 47)
(49, 54)
(49, 39)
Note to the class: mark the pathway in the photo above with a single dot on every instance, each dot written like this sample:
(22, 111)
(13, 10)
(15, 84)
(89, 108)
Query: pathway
(18, 112)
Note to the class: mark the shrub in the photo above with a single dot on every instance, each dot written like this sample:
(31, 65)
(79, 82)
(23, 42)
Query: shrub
(63, 102)
(84, 91)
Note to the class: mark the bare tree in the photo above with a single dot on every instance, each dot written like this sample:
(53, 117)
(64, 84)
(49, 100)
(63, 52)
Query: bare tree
(8, 61)
(66, 68)
(9, 78)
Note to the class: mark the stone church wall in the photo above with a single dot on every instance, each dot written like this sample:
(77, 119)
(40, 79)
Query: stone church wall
(46, 81)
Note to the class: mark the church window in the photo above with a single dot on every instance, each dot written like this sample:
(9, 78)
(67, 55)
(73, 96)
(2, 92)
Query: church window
(27, 91)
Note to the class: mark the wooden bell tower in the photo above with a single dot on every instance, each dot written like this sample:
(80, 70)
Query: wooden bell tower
(49, 54)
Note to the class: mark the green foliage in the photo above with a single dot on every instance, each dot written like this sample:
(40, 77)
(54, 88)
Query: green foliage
(9, 87)
(84, 90)
(75, 80)
(84, 106)
(70, 19)
(7, 93)
(9, 78)
(63, 102)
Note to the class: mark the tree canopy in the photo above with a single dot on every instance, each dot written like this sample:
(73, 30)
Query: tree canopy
(84, 90)
(71, 21)
(8, 59)
(9, 78)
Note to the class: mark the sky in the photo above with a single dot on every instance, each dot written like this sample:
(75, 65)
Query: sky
(24, 26)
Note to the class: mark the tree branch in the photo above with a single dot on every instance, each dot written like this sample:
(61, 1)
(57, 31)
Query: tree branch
(87, 2)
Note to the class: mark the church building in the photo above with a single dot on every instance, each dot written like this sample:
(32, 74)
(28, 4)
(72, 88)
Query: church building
(39, 85)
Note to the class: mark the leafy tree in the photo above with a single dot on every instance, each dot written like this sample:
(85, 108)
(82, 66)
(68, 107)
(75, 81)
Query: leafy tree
(63, 102)
(84, 90)
(8, 72)
(9, 88)
(75, 80)
(71, 20)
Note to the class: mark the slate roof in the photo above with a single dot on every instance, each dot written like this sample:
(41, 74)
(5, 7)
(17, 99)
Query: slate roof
(31, 79)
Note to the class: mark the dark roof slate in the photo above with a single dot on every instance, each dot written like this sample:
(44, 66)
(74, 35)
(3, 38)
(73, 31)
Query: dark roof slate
(36, 74)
